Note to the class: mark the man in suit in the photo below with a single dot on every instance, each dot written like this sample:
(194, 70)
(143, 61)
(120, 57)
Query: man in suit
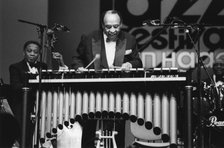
(19, 78)
(115, 47)
(218, 70)
(217, 96)
(109, 47)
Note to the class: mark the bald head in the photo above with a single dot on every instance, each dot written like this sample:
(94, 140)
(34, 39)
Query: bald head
(111, 16)
(111, 24)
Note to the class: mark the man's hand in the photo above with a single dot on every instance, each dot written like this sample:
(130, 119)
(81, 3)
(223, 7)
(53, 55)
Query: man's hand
(81, 69)
(126, 66)
(57, 56)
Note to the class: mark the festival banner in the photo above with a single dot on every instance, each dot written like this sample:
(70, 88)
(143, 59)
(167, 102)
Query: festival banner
(199, 29)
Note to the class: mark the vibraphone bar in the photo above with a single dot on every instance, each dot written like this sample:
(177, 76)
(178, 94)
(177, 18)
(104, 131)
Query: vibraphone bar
(112, 75)
(146, 97)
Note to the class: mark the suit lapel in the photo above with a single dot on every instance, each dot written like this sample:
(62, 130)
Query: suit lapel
(24, 66)
(98, 47)
(104, 63)
(120, 51)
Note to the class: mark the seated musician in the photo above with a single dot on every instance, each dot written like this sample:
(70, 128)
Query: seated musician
(217, 105)
(214, 86)
(218, 71)
(18, 79)
(108, 48)
(218, 80)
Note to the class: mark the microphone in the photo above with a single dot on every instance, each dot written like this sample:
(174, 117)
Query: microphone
(181, 25)
(39, 25)
(197, 27)
(97, 56)
(59, 27)
(155, 22)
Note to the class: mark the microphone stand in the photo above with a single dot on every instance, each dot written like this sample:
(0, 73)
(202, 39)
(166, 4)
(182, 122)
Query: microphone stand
(42, 30)
(201, 141)
(188, 133)
(188, 142)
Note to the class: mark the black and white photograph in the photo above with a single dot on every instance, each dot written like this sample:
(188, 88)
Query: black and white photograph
(111, 74)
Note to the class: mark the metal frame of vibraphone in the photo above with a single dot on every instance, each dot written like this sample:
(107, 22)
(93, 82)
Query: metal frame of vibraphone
(187, 97)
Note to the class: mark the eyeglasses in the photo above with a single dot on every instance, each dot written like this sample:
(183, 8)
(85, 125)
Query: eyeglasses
(110, 26)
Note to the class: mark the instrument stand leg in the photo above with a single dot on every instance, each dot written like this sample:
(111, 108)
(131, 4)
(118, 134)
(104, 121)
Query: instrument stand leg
(24, 117)
(201, 133)
(188, 140)
(209, 137)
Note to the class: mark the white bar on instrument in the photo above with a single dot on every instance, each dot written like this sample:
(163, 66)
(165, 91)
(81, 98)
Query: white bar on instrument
(66, 108)
(55, 105)
(173, 120)
(92, 102)
(133, 104)
(72, 112)
(43, 113)
(157, 111)
(37, 103)
(125, 103)
(111, 102)
(148, 107)
(165, 114)
(105, 101)
(98, 102)
(140, 106)
(144, 79)
(78, 103)
(49, 111)
(85, 103)
(118, 102)
(36, 118)
(61, 100)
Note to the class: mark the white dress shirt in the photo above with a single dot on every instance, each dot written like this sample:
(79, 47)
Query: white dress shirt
(32, 70)
(110, 49)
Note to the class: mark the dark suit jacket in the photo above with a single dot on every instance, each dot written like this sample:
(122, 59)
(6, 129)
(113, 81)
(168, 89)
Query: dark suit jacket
(93, 44)
(18, 74)
(88, 47)
(19, 79)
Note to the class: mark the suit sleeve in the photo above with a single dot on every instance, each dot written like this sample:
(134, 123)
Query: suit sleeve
(78, 60)
(133, 58)
(15, 78)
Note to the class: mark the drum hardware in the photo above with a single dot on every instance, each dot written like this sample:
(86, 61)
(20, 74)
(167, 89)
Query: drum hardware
(213, 119)
(214, 94)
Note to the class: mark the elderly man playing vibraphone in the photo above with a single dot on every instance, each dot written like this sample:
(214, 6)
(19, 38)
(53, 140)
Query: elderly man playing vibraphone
(106, 48)
(87, 106)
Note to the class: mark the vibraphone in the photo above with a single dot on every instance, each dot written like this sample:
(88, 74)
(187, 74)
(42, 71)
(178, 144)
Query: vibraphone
(146, 97)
